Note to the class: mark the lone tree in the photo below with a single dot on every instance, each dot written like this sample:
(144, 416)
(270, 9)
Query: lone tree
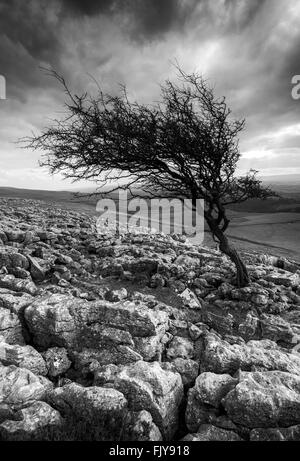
(184, 146)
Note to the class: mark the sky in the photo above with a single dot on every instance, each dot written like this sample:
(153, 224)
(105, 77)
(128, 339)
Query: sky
(248, 49)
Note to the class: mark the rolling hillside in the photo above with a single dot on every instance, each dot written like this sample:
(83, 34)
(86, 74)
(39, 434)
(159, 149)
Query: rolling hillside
(271, 226)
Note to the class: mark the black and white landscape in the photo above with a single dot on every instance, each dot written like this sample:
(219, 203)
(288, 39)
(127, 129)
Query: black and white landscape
(135, 335)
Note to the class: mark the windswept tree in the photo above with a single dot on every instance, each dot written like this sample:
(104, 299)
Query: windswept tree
(185, 146)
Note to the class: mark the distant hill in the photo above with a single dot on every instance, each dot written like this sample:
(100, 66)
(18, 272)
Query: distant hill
(287, 186)
(65, 199)
(35, 194)
(282, 179)
(270, 226)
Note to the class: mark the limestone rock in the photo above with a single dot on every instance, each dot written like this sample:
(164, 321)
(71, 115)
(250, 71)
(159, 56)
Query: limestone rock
(62, 320)
(148, 387)
(195, 332)
(149, 348)
(10, 327)
(250, 327)
(57, 361)
(190, 352)
(284, 278)
(102, 410)
(277, 329)
(180, 347)
(205, 397)
(12, 259)
(15, 302)
(24, 357)
(187, 368)
(139, 427)
(19, 285)
(116, 295)
(280, 434)
(221, 357)
(209, 433)
(190, 299)
(211, 388)
(38, 422)
(265, 399)
(19, 386)
(118, 354)
(37, 272)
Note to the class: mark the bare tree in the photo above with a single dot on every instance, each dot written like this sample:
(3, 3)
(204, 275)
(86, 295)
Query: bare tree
(184, 146)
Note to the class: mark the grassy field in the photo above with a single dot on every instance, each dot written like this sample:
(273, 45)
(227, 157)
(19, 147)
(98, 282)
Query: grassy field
(276, 231)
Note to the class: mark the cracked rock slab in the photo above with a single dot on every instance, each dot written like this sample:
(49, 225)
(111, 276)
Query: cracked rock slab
(37, 423)
(204, 399)
(10, 327)
(102, 410)
(19, 387)
(24, 357)
(65, 321)
(147, 386)
(221, 357)
(264, 399)
(209, 433)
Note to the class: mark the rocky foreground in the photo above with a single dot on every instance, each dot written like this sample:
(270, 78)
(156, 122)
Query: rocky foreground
(141, 337)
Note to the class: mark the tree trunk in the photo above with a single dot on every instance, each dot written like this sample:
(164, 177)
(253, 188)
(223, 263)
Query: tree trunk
(241, 270)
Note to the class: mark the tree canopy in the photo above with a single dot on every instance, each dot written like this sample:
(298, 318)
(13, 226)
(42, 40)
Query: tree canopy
(184, 146)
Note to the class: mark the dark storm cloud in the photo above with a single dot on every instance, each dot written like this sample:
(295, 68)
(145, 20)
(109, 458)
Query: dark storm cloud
(150, 19)
(31, 30)
(88, 7)
(30, 25)
(28, 38)
(147, 19)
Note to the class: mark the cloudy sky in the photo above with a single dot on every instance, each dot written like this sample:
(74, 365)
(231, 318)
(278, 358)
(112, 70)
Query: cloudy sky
(249, 49)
